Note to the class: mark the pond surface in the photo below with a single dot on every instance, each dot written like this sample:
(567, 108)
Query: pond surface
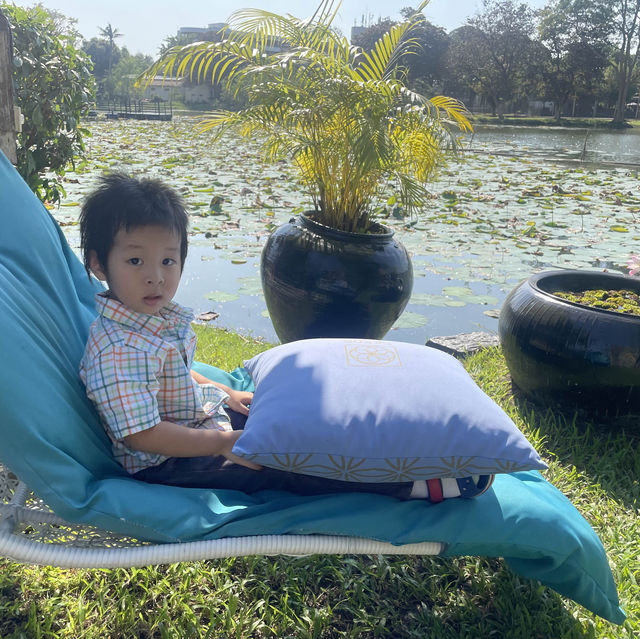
(588, 145)
(493, 219)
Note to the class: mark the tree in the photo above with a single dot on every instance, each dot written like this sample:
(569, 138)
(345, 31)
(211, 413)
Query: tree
(366, 37)
(54, 87)
(105, 55)
(110, 34)
(426, 65)
(627, 50)
(574, 34)
(492, 53)
(101, 56)
(126, 71)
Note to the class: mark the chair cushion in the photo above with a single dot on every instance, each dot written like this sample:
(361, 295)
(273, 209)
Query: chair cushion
(369, 410)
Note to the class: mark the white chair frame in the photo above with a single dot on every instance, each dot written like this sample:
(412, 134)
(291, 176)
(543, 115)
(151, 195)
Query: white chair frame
(31, 533)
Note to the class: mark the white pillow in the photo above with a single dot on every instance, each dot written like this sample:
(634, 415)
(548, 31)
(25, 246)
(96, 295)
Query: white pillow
(376, 411)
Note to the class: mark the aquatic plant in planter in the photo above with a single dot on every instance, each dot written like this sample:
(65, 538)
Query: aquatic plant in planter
(562, 349)
(351, 126)
(616, 300)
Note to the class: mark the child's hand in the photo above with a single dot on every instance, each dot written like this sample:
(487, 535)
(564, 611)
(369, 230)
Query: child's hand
(231, 437)
(239, 401)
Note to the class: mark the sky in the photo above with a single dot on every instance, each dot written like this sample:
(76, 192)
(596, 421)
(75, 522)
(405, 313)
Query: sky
(146, 23)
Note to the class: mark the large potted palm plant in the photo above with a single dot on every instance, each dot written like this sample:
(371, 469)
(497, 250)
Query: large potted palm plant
(357, 136)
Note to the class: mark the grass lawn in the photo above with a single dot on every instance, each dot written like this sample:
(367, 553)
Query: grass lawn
(597, 467)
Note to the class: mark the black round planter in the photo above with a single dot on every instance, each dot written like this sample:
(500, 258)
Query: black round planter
(562, 350)
(321, 282)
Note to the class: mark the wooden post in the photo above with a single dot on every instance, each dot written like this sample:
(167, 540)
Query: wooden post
(7, 111)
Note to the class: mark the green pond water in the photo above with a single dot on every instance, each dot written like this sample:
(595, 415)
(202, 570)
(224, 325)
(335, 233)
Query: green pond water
(515, 202)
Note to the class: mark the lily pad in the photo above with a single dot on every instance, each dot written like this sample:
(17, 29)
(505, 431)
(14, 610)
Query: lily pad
(481, 238)
(424, 299)
(411, 320)
(250, 286)
(457, 291)
(485, 300)
(221, 296)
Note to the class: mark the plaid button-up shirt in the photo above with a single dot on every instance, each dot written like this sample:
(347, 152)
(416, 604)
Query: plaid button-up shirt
(136, 369)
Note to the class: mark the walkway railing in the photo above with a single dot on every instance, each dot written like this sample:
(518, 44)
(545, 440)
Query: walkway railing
(135, 109)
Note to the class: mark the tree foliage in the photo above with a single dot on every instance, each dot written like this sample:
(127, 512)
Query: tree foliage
(101, 55)
(626, 50)
(367, 37)
(575, 36)
(493, 53)
(109, 34)
(125, 72)
(426, 65)
(570, 51)
(105, 54)
(54, 87)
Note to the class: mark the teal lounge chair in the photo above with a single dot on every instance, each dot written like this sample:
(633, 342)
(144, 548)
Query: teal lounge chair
(64, 501)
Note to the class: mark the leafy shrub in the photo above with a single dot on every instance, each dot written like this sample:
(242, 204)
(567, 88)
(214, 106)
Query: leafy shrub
(54, 87)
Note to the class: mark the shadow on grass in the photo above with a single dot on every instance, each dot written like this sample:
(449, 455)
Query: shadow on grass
(321, 596)
(13, 614)
(381, 596)
(607, 449)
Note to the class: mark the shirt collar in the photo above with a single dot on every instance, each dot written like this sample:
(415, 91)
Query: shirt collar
(172, 315)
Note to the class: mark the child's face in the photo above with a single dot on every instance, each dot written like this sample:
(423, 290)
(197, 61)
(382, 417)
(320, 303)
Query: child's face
(143, 268)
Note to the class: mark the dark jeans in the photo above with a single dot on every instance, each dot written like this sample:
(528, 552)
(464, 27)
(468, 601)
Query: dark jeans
(218, 472)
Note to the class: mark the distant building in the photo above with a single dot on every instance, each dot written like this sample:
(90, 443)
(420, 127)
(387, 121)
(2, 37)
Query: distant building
(356, 31)
(213, 27)
(169, 89)
(163, 88)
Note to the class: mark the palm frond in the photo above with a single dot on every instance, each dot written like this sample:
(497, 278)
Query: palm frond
(344, 116)
(166, 64)
(382, 61)
(326, 11)
(195, 71)
(454, 110)
(257, 28)
(412, 193)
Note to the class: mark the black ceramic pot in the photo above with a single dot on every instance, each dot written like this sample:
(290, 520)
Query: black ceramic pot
(321, 282)
(562, 350)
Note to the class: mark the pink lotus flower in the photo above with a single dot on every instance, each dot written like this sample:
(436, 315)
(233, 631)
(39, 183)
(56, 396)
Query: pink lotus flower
(634, 264)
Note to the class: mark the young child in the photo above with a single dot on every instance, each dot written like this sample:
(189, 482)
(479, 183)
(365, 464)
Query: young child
(167, 423)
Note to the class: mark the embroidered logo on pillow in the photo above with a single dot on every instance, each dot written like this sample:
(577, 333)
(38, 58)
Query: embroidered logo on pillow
(364, 353)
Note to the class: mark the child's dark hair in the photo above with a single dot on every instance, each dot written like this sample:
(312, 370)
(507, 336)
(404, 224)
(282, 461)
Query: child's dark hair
(124, 202)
